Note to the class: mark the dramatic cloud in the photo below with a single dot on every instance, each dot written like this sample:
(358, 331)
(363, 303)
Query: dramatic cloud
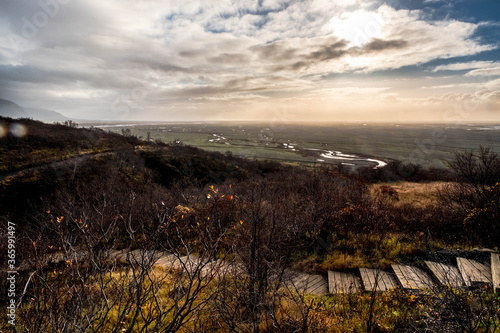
(464, 66)
(192, 59)
(486, 72)
(381, 45)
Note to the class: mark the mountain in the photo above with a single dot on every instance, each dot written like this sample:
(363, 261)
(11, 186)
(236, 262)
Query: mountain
(12, 110)
(45, 115)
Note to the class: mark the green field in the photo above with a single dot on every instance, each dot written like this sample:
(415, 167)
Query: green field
(429, 144)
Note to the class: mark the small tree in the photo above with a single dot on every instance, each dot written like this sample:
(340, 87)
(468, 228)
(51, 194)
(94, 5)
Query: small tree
(476, 193)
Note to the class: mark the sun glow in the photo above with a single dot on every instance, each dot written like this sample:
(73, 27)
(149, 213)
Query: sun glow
(357, 27)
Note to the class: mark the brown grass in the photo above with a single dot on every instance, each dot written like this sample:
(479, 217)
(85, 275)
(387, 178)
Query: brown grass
(419, 194)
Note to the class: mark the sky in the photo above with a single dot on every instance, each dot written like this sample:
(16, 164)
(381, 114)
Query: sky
(265, 60)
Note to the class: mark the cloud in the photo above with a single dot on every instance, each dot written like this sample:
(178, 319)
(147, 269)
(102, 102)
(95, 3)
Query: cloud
(381, 45)
(452, 86)
(90, 54)
(493, 71)
(230, 59)
(350, 91)
(328, 52)
(279, 51)
(230, 97)
(464, 66)
(481, 100)
(476, 68)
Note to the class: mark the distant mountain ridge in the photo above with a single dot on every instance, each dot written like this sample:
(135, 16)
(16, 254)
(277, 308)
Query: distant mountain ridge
(45, 115)
(13, 110)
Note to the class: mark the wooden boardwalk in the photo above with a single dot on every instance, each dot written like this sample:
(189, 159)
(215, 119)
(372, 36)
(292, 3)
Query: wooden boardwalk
(473, 271)
(495, 270)
(447, 275)
(378, 280)
(468, 273)
(309, 284)
(343, 283)
(412, 277)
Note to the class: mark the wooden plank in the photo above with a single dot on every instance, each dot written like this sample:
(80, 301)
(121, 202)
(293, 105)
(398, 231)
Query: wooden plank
(447, 275)
(390, 281)
(412, 277)
(473, 271)
(166, 260)
(214, 268)
(115, 254)
(310, 284)
(368, 279)
(344, 283)
(307, 283)
(375, 279)
(188, 264)
(495, 271)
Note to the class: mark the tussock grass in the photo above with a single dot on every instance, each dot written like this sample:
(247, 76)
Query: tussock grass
(369, 250)
(417, 194)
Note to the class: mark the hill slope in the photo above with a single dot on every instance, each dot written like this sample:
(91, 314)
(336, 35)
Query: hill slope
(27, 143)
(45, 115)
(13, 110)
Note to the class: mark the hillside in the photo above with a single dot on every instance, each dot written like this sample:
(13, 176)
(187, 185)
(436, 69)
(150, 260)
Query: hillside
(45, 115)
(90, 197)
(29, 143)
(12, 110)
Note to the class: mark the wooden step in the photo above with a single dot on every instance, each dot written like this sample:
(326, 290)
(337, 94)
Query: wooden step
(309, 284)
(378, 280)
(473, 271)
(495, 271)
(344, 283)
(447, 275)
(412, 277)
(166, 260)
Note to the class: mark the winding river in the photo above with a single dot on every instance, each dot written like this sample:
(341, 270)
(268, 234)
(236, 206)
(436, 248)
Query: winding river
(337, 155)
